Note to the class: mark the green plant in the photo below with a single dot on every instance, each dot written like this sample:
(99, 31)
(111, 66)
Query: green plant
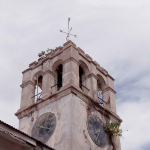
(113, 128)
(43, 53)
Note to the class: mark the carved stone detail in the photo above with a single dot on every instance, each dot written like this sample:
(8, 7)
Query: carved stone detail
(25, 84)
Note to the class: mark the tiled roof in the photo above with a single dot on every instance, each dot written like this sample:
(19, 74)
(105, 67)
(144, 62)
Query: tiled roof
(6, 126)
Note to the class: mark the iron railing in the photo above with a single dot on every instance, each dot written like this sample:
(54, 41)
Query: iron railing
(84, 87)
(40, 94)
(101, 100)
(59, 85)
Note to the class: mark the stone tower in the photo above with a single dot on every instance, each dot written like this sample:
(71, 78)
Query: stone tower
(78, 97)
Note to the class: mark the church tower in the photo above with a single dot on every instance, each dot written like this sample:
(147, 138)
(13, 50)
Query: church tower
(77, 99)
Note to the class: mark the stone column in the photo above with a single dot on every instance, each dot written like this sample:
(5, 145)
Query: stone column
(109, 98)
(47, 83)
(91, 83)
(116, 141)
(28, 91)
(70, 72)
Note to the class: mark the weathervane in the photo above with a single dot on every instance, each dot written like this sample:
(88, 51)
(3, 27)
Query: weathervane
(67, 38)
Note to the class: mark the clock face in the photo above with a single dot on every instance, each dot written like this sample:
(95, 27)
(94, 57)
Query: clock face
(96, 131)
(44, 127)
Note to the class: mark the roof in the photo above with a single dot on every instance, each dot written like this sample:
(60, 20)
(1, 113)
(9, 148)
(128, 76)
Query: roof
(11, 134)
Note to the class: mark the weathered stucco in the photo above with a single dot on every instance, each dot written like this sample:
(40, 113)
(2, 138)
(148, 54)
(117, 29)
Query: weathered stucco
(71, 103)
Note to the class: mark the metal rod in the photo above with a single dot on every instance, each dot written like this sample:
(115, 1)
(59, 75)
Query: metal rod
(102, 100)
(55, 84)
(37, 86)
(86, 87)
(36, 95)
(68, 24)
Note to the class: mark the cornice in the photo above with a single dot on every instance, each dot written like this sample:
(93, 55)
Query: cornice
(105, 73)
(84, 56)
(69, 43)
(71, 59)
(57, 96)
(90, 75)
(55, 54)
(26, 70)
(48, 71)
(109, 89)
(26, 83)
(80, 50)
(110, 77)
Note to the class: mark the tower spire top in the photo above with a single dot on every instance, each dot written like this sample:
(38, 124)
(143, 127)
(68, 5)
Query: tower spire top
(69, 30)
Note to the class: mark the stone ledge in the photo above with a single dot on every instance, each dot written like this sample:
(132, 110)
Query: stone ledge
(48, 71)
(58, 95)
(71, 59)
(101, 70)
(26, 83)
(33, 64)
(70, 43)
(90, 75)
(109, 88)
(80, 50)
(26, 70)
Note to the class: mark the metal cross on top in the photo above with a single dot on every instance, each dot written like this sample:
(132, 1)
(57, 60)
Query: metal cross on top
(68, 34)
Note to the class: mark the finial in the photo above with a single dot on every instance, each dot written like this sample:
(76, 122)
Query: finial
(68, 34)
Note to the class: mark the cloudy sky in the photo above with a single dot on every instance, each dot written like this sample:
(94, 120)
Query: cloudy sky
(115, 33)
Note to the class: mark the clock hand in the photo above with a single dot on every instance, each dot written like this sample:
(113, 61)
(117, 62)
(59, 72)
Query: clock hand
(97, 133)
(43, 127)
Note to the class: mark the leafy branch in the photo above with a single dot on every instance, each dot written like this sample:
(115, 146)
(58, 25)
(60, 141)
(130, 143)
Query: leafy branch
(113, 128)
(43, 53)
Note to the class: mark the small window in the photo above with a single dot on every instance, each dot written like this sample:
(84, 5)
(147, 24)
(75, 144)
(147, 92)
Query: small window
(38, 88)
(100, 94)
(59, 76)
(100, 97)
(81, 73)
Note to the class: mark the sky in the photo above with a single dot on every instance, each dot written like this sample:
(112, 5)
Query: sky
(115, 33)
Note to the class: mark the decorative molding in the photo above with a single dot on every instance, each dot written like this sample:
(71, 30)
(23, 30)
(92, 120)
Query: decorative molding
(59, 48)
(110, 77)
(96, 64)
(90, 75)
(33, 63)
(103, 71)
(57, 96)
(84, 56)
(26, 83)
(26, 70)
(41, 58)
(54, 55)
(48, 71)
(89, 57)
(69, 42)
(109, 89)
(71, 59)
(80, 50)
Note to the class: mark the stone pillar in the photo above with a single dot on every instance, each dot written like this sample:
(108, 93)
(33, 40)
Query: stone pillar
(70, 72)
(28, 91)
(91, 83)
(47, 83)
(109, 98)
(116, 141)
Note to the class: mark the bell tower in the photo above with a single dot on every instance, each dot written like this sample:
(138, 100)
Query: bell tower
(77, 98)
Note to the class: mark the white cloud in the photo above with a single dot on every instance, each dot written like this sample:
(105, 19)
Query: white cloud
(114, 33)
(136, 119)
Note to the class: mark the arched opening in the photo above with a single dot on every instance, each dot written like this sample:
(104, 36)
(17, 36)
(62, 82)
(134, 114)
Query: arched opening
(38, 87)
(100, 94)
(100, 86)
(59, 76)
(81, 74)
